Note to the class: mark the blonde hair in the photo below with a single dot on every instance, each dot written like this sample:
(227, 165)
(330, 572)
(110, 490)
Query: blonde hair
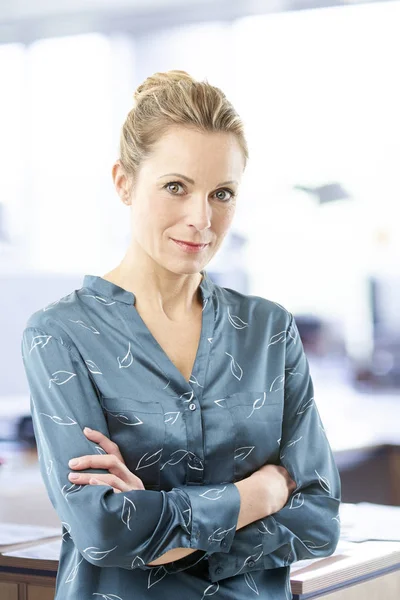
(174, 98)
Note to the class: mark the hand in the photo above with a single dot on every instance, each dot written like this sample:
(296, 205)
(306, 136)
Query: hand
(277, 485)
(121, 478)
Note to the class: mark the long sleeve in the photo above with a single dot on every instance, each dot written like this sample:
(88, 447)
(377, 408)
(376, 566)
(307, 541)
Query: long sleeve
(128, 529)
(308, 525)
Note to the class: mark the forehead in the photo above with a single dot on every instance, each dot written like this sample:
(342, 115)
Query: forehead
(192, 152)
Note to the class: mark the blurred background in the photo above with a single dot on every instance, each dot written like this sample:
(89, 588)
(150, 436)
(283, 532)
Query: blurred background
(317, 224)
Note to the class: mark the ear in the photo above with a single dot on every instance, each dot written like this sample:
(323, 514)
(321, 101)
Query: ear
(121, 181)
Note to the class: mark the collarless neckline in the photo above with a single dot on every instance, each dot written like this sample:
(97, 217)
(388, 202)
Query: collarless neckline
(119, 294)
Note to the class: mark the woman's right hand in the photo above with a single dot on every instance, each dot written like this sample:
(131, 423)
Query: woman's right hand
(277, 486)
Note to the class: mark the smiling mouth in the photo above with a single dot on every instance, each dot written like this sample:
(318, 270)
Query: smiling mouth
(191, 243)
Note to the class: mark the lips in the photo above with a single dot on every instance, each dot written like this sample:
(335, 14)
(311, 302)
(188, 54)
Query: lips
(191, 243)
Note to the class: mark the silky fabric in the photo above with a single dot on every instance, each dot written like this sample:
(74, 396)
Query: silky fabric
(90, 360)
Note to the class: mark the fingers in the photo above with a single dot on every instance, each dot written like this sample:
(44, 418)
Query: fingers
(104, 442)
(102, 479)
(110, 462)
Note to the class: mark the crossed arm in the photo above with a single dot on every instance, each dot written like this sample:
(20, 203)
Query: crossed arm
(144, 527)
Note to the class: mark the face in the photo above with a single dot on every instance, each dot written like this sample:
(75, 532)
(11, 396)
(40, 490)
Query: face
(185, 190)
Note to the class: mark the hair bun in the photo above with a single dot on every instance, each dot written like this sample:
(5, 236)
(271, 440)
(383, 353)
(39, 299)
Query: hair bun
(161, 80)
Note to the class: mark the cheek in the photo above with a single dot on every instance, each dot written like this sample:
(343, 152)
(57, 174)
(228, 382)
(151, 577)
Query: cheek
(145, 215)
(222, 219)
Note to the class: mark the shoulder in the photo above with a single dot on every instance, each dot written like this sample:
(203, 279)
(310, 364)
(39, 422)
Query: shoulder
(55, 318)
(258, 308)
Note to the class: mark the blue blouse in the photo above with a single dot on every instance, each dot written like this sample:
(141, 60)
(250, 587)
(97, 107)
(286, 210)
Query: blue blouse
(90, 360)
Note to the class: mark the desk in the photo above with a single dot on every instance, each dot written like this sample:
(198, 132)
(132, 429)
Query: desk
(367, 571)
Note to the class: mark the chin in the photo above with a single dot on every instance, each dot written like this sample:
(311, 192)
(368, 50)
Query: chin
(182, 269)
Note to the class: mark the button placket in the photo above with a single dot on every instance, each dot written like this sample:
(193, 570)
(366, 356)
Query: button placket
(192, 412)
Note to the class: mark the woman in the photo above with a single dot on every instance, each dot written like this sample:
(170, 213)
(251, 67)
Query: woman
(212, 469)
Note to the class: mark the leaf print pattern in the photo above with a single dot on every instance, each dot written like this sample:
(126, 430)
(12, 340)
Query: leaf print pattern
(187, 513)
(258, 404)
(127, 508)
(236, 369)
(243, 452)
(93, 368)
(95, 554)
(213, 494)
(276, 338)
(39, 340)
(218, 402)
(236, 321)
(74, 572)
(312, 545)
(211, 590)
(121, 418)
(189, 399)
(175, 457)
(171, 419)
(90, 327)
(108, 596)
(137, 562)
(198, 465)
(50, 467)
(292, 333)
(219, 534)
(254, 557)
(277, 384)
(288, 559)
(194, 380)
(324, 482)
(297, 501)
(67, 532)
(148, 460)
(127, 360)
(306, 406)
(265, 529)
(289, 445)
(59, 421)
(291, 372)
(102, 301)
(72, 489)
(61, 379)
(249, 579)
(156, 575)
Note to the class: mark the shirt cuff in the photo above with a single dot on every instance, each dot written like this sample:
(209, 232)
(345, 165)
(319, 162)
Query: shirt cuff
(214, 515)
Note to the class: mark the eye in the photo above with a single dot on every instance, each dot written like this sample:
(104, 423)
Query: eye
(224, 191)
(173, 184)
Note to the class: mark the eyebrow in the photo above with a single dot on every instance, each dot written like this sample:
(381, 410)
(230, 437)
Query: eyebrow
(191, 180)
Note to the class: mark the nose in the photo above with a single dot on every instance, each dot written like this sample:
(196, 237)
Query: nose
(199, 212)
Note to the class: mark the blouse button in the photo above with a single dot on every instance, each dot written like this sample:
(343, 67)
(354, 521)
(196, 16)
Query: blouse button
(219, 570)
(251, 563)
(192, 406)
(223, 543)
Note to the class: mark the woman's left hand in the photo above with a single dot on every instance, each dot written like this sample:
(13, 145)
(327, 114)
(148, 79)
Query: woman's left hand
(121, 479)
